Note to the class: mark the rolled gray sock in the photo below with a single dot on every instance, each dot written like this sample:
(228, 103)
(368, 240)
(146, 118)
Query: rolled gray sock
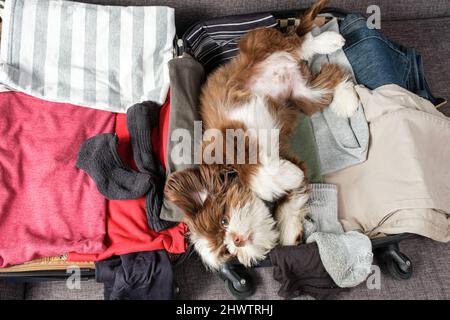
(346, 257)
(98, 157)
(323, 210)
(153, 202)
(142, 118)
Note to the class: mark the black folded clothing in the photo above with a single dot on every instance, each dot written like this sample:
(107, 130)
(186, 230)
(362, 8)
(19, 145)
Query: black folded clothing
(300, 271)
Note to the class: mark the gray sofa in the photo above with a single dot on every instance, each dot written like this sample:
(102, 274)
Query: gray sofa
(424, 25)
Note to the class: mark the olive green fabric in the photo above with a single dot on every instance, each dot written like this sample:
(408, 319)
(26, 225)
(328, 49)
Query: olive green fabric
(303, 145)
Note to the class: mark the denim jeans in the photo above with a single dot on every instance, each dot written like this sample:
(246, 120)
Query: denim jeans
(377, 61)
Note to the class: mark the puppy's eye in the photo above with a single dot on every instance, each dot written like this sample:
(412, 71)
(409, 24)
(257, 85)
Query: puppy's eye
(224, 221)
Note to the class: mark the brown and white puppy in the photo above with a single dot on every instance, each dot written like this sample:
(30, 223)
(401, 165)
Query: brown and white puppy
(263, 88)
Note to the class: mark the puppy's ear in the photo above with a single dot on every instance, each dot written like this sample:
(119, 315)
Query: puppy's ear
(189, 189)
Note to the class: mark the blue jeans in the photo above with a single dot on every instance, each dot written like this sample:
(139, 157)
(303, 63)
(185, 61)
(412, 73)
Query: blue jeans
(377, 61)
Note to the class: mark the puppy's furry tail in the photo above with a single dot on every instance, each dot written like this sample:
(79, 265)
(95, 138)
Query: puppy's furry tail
(307, 20)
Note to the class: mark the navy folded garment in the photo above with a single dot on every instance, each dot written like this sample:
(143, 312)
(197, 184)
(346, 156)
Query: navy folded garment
(136, 276)
(215, 41)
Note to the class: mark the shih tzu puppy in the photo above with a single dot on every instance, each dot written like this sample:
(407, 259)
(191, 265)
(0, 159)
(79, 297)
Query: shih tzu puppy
(264, 88)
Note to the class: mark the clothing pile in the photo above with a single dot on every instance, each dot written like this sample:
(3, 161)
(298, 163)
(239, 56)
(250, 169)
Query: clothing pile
(85, 90)
(380, 172)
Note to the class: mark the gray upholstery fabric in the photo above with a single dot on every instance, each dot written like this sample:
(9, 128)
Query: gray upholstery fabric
(430, 38)
(11, 291)
(189, 11)
(57, 290)
(203, 285)
(431, 278)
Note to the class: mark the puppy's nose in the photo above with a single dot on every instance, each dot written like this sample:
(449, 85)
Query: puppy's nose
(238, 240)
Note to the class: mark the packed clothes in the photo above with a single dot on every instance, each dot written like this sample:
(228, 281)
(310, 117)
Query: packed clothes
(186, 78)
(322, 210)
(99, 158)
(404, 184)
(137, 276)
(377, 61)
(142, 120)
(302, 144)
(341, 142)
(83, 54)
(215, 41)
(347, 257)
(299, 270)
(88, 55)
(46, 203)
(126, 220)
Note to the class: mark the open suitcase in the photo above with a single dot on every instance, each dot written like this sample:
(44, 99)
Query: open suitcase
(237, 281)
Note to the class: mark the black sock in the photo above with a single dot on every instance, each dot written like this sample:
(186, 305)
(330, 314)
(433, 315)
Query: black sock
(98, 157)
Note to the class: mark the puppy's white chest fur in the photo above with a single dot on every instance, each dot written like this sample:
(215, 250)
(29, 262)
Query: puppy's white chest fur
(279, 76)
(263, 127)
(274, 175)
(255, 114)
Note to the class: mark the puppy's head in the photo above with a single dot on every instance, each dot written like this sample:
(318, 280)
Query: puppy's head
(225, 219)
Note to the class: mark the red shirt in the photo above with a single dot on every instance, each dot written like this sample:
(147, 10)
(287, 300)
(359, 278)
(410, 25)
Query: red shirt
(126, 221)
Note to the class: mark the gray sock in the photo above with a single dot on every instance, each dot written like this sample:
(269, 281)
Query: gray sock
(142, 118)
(98, 157)
(323, 210)
(153, 204)
(346, 257)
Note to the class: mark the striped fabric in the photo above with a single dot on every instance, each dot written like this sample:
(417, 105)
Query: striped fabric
(2, 7)
(104, 57)
(215, 41)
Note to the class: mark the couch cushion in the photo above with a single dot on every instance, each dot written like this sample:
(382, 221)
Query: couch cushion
(195, 283)
(431, 38)
(189, 11)
(58, 290)
(11, 291)
(430, 280)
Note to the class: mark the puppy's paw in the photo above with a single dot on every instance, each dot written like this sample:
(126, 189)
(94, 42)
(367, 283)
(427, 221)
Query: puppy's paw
(290, 217)
(328, 42)
(291, 236)
(345, 101)
(275, 178)
(288, 175)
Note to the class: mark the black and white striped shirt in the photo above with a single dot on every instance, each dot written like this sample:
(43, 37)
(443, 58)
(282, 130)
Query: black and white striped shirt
(215, 41)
